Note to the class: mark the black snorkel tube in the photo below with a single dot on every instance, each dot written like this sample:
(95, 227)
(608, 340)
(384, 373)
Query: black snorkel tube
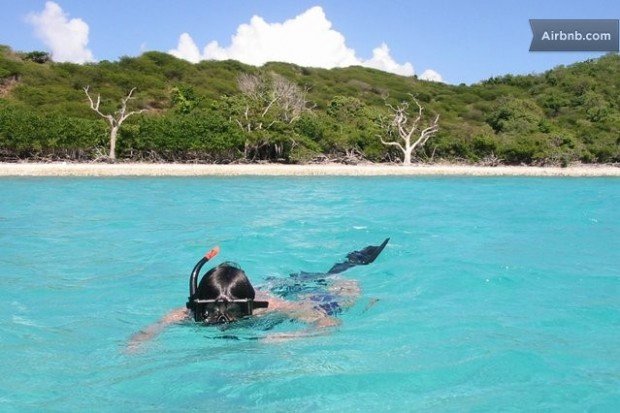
(193, 281)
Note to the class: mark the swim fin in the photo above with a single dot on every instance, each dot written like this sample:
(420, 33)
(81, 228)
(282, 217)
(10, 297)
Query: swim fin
(310, 282)
(362, 257)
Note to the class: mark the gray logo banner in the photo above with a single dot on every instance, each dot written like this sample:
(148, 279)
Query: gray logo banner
(574, 35)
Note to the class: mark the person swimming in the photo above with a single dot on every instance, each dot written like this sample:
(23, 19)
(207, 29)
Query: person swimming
(226, 295)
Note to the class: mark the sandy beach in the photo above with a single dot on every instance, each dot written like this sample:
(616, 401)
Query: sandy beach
(145, 169)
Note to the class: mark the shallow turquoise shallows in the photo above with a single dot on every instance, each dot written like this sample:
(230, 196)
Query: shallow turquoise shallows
(494, 294)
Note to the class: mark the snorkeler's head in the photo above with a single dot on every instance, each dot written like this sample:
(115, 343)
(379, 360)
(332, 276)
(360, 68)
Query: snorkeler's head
(226, 281)
(226, 285)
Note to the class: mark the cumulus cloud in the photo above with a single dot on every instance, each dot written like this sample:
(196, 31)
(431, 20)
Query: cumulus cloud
(382, 60)
(431, 75)
(187, 49)
(306, 40)
(67, 39)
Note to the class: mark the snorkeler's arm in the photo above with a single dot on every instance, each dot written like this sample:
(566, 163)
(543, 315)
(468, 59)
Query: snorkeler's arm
(148, 333)
(319, 327)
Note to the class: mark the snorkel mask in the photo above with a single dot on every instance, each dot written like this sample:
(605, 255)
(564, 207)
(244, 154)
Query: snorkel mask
(226, 311)
(221, 310)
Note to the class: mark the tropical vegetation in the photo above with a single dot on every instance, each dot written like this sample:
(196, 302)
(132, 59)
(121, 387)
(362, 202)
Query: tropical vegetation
(226, 111)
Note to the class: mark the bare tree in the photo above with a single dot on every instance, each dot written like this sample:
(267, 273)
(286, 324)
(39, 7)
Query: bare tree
(270, 99)
(405, 127)
(115, 120)
(291, 97)
(267, 99)
(259, 100)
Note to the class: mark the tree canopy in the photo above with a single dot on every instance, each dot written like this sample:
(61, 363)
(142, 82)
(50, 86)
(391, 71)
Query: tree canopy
(201, 112)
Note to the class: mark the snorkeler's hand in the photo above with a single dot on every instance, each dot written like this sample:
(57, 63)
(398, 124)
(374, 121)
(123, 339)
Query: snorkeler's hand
(175, 316)
(319, 328)
(151, 331)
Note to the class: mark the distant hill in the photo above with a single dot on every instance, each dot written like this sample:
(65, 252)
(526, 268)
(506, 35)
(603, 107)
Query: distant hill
(564, 115)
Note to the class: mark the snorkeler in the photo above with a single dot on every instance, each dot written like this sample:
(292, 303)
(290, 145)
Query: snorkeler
(225, 295)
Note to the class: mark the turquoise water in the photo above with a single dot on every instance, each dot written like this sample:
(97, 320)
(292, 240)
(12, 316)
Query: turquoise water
(495, 294)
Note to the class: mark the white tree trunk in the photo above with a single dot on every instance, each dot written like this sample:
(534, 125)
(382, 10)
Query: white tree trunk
(407, 157)
(113, 133)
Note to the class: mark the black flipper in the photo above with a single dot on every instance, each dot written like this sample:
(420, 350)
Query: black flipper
(363, 257)
(311, 282)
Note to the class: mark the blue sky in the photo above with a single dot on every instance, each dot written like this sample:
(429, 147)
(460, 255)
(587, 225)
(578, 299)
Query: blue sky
(455, 41)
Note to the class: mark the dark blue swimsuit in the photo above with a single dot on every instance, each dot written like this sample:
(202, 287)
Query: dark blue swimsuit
(327, 302)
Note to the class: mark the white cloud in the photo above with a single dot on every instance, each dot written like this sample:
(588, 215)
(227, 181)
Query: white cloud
(186, 49)
(66, 38)
(431, 75)
(306, 40)
(382, 60)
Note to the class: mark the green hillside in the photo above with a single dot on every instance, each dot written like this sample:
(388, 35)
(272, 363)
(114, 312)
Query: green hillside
(196, 112)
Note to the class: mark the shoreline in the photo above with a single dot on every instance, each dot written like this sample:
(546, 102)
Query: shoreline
(61, 169)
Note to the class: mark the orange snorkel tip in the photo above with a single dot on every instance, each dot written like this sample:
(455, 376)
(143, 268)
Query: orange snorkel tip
(214, 251)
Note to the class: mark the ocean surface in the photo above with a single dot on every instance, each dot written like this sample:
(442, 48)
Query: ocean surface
(494, 294)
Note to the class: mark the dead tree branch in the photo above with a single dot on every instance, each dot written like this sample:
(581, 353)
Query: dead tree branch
(404, 128)
(115, 120)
